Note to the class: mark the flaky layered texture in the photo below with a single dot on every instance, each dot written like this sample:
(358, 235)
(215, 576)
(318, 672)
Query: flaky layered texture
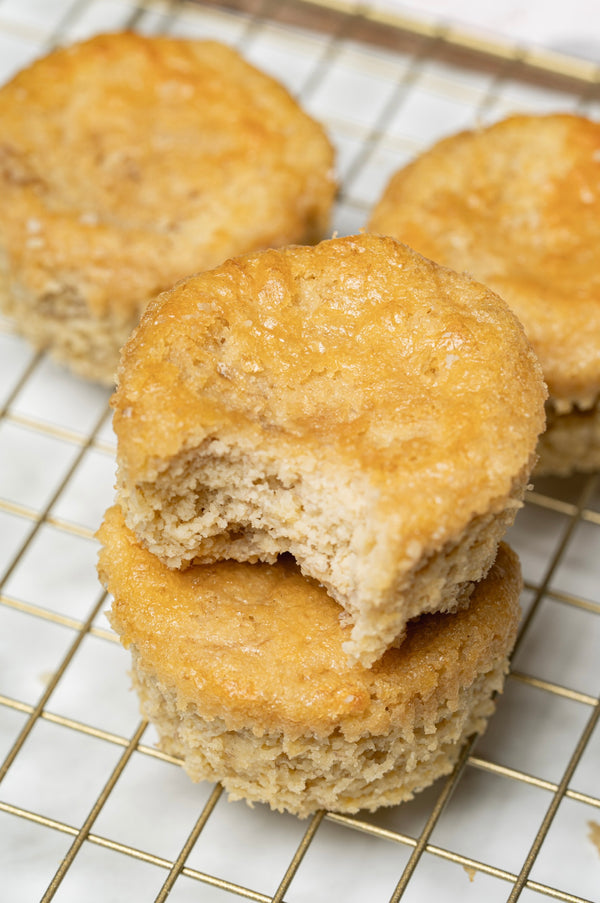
(517, 205)
(128, 162)
(353, 404)
(242, 669)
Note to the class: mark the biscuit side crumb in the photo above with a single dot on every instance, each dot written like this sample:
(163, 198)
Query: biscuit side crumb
(571, 443)
(305, 774)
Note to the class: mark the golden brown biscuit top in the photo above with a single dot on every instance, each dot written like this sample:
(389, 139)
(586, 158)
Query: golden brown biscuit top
(171, 150)
(261, 646)
(517, 205)
(357, 352)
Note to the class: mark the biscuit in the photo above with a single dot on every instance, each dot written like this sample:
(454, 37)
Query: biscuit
(241, 669)
(128, 162)
(517, 205)
(353, 404)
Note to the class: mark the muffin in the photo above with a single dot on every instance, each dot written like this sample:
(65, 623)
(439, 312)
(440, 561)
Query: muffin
(241, 668)
(128, 162)
(517, 205)
(352, 404)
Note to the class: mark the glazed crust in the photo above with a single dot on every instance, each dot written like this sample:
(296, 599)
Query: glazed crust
(261, 647)
(128, 162)
(395, 364)
(517, 205)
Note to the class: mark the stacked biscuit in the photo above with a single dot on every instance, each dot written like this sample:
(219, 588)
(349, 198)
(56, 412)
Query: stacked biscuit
(319, 451)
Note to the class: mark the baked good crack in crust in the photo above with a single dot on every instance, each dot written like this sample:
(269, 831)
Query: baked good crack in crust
(517, 205)
(241, 669)
(353, 404)
(128, 162)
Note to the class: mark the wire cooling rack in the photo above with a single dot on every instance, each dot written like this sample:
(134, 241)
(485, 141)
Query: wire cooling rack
(89, 810)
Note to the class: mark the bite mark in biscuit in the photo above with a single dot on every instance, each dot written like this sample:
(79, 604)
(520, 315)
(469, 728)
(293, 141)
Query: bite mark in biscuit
(353, 404)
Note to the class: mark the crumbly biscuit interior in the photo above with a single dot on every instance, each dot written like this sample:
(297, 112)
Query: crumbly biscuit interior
(222, 501)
